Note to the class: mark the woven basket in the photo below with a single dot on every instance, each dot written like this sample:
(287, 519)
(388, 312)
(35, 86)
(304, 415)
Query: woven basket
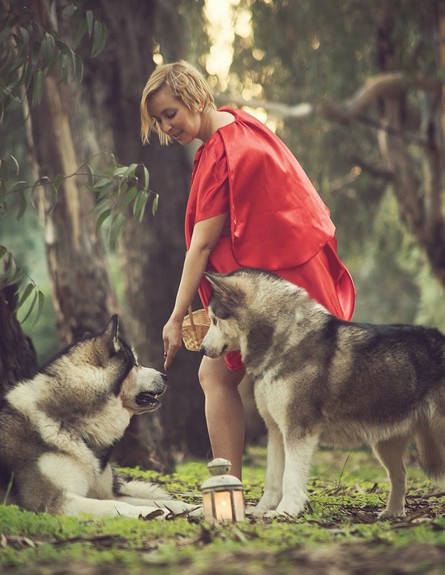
(194, 328)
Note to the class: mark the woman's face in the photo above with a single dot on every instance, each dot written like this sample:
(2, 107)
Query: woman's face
(173, 117)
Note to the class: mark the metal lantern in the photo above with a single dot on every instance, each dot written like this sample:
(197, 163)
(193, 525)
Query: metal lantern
(222, 494)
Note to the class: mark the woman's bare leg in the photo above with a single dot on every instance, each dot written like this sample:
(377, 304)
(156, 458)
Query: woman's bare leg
(224, 410)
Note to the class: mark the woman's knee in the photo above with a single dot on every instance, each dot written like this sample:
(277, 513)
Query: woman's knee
(214, 374)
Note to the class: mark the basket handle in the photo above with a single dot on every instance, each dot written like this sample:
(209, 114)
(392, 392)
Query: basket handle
(191, 318)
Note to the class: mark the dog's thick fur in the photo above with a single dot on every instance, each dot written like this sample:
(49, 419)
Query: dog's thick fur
(320, 380)
(58, 429)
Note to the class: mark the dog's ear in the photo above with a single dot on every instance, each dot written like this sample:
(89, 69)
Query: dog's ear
(225, 288)
(221, 284)
(216, 280)
(112, 333)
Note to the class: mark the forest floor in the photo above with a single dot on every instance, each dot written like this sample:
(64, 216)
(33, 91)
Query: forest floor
(338, 534)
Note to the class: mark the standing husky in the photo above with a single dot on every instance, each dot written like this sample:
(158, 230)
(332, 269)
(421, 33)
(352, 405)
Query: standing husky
(58, 429)
(318, 379)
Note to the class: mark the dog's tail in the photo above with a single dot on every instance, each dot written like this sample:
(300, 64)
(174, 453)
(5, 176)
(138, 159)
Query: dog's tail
(430, 444)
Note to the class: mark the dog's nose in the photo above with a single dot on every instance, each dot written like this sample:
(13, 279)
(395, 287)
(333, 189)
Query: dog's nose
(164, 376)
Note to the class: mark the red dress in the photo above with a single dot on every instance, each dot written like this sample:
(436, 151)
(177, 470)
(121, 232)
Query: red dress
(278, 222)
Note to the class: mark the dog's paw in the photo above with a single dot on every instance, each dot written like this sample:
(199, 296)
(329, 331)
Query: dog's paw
(257, 511)
(274, 514)
(291, 507)
(143, 512)
(392, 513)
(260, 510)
(266, 503)
(177, 508)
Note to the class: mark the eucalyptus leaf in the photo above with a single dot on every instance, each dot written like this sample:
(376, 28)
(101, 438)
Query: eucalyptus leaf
(129, 197)
(89, 17)
(146, 179)
(100, 38)
(22, 204)
(154, 207)
(32, 305)
(25, 293)
(116, 226)
(37, 89)
(101, 219)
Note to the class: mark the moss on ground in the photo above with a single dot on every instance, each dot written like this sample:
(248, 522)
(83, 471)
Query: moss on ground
(339, 532)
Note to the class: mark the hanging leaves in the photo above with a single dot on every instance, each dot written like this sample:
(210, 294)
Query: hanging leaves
(30, 53)
(122, 191)
(28, 292)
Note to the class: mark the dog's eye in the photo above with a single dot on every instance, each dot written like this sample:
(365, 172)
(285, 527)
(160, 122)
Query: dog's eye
(214, 320)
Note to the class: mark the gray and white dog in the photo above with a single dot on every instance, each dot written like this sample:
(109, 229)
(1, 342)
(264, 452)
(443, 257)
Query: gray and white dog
(321, 380)
(58, 429)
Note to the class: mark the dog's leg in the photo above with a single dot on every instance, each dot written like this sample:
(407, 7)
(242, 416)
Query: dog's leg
(144, 493)
(143, 490)
(390, 454)
(175, 506)
(297, 456)
(274, 471)
(140, 493)
(75, 505)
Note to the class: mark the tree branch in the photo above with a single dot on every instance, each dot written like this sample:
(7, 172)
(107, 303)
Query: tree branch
(378, 87)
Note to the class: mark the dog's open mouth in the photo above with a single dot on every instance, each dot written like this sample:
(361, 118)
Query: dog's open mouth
(147, 399)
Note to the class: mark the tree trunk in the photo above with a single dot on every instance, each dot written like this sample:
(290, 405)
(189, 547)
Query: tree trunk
(18, 358)
(419, 198)
(82, 293)
(152, 252)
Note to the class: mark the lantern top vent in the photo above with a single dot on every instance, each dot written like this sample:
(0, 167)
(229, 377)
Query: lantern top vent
(220, 479)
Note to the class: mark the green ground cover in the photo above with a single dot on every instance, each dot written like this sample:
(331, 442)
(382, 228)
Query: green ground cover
(339, 532)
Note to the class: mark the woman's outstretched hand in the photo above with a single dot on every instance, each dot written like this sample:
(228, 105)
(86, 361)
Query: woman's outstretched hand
(172, 338)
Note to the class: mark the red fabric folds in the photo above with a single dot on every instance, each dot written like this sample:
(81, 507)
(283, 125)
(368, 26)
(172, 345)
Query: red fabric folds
(278, 222)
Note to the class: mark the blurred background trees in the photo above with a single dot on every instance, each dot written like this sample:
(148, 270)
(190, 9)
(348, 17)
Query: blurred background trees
(355, 89)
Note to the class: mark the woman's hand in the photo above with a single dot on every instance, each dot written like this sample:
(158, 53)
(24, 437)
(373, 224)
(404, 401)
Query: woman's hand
(172, 337)
(206, 234)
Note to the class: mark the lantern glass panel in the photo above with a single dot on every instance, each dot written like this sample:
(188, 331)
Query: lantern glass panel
(209, 507)
(238, 500)
(223, 506)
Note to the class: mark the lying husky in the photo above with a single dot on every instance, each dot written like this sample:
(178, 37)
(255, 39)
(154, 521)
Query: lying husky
(58, 429)
(318, 379)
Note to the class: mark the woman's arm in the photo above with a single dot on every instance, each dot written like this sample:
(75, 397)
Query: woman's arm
(206, 234)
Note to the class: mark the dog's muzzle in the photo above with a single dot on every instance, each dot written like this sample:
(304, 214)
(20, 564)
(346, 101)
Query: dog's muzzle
(143, 395)
(147, 399)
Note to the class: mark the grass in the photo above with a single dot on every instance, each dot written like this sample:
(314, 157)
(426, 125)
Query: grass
(339, 532)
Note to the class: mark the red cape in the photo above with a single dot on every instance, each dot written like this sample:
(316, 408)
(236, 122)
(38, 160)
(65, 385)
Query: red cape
(278, 222)
(273, 204)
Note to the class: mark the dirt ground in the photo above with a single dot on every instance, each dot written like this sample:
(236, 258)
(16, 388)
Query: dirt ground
(345, 559)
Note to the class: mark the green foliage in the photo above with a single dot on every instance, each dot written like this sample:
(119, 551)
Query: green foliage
(30, 52)
(347, 490)
(120, 190)
(31, 49)
(24, 240)
(28, 293)
(317, 50)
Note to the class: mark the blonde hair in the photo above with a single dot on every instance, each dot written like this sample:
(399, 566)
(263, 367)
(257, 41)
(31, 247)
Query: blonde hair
(186, 84)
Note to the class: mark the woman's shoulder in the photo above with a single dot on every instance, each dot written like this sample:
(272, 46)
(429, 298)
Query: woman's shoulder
(222, 118)
(239, 114)
(211, 154)
(214, 147)
(245, 123)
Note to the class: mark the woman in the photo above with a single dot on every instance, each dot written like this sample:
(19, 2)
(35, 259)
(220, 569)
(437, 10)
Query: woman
(250, 205)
